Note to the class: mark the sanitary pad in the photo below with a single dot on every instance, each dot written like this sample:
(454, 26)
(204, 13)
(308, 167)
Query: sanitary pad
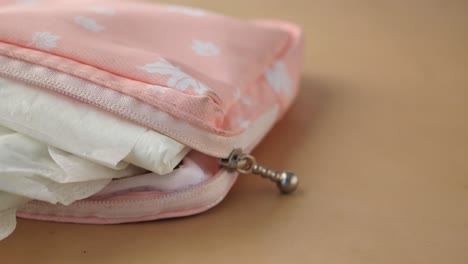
(85, 131)
(30, 170)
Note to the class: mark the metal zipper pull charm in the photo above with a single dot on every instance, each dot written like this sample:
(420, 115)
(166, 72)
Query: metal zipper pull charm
(243, 163)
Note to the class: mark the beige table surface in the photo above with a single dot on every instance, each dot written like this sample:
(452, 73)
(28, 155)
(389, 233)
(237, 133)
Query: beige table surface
(384, 164)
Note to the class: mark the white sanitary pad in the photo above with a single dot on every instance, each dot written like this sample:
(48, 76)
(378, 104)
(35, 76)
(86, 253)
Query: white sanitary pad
(85, 131)
(30, 170)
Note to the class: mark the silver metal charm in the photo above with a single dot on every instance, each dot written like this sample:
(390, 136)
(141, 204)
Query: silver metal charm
(286, 181)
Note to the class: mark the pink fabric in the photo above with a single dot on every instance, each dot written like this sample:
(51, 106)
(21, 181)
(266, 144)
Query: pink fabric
(135, 208)
(215, 72)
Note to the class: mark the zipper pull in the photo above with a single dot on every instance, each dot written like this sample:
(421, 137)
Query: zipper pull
(286, 181)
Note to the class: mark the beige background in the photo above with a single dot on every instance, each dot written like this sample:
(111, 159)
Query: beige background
(384, 162)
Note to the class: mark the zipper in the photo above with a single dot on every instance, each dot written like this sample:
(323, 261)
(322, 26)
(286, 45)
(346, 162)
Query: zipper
(135, 207)
(238, 161)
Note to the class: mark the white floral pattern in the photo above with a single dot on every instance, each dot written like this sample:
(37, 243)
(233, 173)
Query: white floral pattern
(104, 11)
(244, 123)
(89, 24)
(278, 78)
(44, 40)
(157, 88)
(178, 79)
(238, 97)
(205, 48)
(247, 101)
(187, 10)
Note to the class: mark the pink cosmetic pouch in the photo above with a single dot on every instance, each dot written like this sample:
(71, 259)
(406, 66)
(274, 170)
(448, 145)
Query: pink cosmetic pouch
(211, 82)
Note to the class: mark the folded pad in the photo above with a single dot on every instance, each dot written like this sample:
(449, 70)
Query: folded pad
(85, 131)
(28, 170)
